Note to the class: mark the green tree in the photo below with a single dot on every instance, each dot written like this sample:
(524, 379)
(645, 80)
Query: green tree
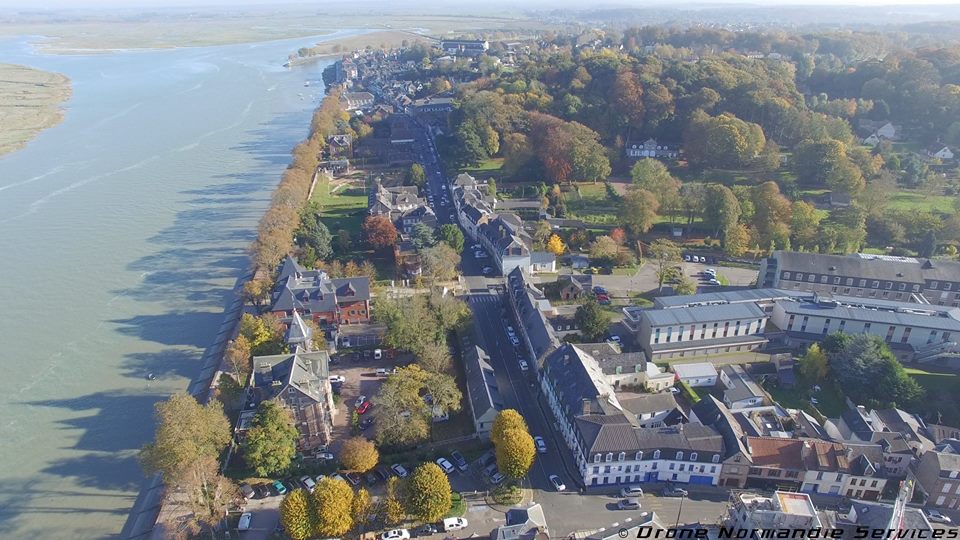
(271, 443)
(805, 224)
(452, 235)
(736, 240)
(491, 188)
(333, 500)
(722, 141)
(665, 254)
(813, 364)
(639, 211)
(592, 320)
(685, 286)
(440, 262)
(416, 176)
(403, 417)
(515, 452)
(421, 236)
(297, 514)
(263, 333)
(506, 420)
(313, 232)
(652, 175)
(604, 249)
(771, 218)
(868, 372)
(358, 454)
(721, 209)
(428, 495)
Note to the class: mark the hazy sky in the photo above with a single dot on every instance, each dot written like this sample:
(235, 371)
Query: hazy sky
(58, 4)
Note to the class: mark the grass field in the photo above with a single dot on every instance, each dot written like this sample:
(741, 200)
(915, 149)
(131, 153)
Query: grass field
(915, 200)
(591, 205)
(941, 395)
(830, 400)
(344, 207)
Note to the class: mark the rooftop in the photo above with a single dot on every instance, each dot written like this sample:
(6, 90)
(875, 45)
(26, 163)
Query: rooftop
(702, 314)
(694, 370)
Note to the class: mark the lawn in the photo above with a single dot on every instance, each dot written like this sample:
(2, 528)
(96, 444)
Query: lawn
(830, 400)
(941, 395)
(915, 200)
(343, 206)
(488, 166)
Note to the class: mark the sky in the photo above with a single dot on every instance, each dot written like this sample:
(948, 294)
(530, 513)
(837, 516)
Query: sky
(60, 4)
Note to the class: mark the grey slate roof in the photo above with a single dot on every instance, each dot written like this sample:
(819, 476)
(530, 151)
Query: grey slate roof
(725, 297)
(533, 322)
(298, 332)
(703, 314)
(939, 432)
(705, 343)
(858, 422)
(577, 379)
(949, 324)
(306, 372)
(710, 411)
(743, 387)
(640, 404)
(482, 387)
(848, 266)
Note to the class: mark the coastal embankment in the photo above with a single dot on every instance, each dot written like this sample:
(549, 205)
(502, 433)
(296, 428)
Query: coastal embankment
(30, 102)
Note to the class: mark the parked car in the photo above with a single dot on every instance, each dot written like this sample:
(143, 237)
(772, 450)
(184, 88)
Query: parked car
(359, 401)
(352, 477)
(934, 516)
(486, 270)
(245, 519)
(631, 491)
(686, 258)
(399, 470)
(325, 456)
(630, 503)
(396, 534)
(247, 491)
(541, 444)
(557, 483)
(261, 491)
(599, 290)
(426, 529)
(337, 379)
(445, 465)
(278, 488)
(459, 461)
(454, 524)
(364, 407)
(674, 492)
(366, 423)
(377, 354)
(615, 339)
(371, 478)
(382, 473)
(510, 330)
(308, 483)
(496, 478)
(523, 365)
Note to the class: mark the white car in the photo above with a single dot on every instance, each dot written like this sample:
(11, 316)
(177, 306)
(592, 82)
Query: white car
(515, 341)
(486, 270)
(523, 365)
(359, 401)
(496, 478)
(335, 379)
(308, 483)
(480, 255)
(445, 465)
(454, 524)
(711, 271)
(245, 519)
(615, 339)
(557, 484)
(396, 534)
(541, 444)
(510, 330)
(399, 470)
(934, 516)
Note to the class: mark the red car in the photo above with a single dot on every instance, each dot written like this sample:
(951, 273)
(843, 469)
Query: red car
(364, 407)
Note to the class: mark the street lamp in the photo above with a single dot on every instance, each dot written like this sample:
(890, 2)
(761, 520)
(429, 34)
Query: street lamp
(682, 497)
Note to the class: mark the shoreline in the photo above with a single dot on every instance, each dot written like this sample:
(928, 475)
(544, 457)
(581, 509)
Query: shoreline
(31, 101)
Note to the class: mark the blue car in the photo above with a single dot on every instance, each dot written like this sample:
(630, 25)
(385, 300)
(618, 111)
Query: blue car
(279, 488)
(599, 290)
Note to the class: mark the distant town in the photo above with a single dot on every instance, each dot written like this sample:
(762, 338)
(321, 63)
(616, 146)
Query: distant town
(597, 286)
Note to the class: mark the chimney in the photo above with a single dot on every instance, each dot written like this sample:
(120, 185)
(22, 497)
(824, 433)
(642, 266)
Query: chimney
(584, 406)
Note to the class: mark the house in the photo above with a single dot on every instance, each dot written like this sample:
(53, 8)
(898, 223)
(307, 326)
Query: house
(650, 149)
(606, 439)
(402, 205)
(939, 433)
(578, 262)
(506, 240)
(355, 101)
(328, 302)
(529, 305)
(464, 47)
(483, 394)
(900, 441)
(697, 331)
(936, 477)
(628, 370)
(741, 390)
(736, 459)
(939, 151)
(887, 131)
(523, 524)
(874, 516)
(700, 374)
(781, 511)
(882, 277)
(299, 336)
(300, 383)
(407, 258)
(340, 145)
(653, 410)
(574, 286)
(872, 139)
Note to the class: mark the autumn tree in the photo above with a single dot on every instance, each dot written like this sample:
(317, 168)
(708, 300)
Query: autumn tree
(391, 509)
(556, 246)
(256, 291)
(515, 452)
(639, 211)
(380, 232)
(333, 500)
(428, 495)
(271, 444)
(416, 176)
(403, 417)
(264, 334)
(664, 253)
(628, 97)
(736, 240)
(440, 262)
(239, 356)
(358, 454)
(435, 358)
(604, 249)
(296, 514)
(722, 141)
(771, 218)
(506, 420)
(361, 508)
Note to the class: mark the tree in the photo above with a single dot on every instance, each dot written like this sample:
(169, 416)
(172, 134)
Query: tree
(391, 509)
(188, 441)
(263, 333)
(618, 236)
(313, 233)
(271, 443)
(736, 240)
(721, 209)
(639, 211)
(604, 249)
(358, 454)
(452, 235)
(296, 514)
(403, 416)
(665, 253)
(491, 188)
(813, 364)
(771, 218)
(380, 232)
(506, 420)
(592, 320)
(440, 262)
(239, 356)
(685, 286)
(652, 175)
(435, 358)
(416, 176)
(722, 141)
(805, 224)
(868, 372)
(428, 493)
(421, 236)
(515, 452)
(556, 246)
(256, 291)
(333, 500)
(361, 507)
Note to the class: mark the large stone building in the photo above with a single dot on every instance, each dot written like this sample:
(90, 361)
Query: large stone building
(329, 302)
(300, 383)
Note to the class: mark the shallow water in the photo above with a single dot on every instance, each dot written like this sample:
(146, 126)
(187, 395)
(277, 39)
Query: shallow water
(122, 232)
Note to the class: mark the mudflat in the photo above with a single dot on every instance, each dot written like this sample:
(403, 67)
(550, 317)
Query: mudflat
(30, 102)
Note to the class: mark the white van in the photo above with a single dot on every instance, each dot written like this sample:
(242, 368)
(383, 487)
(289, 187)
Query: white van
(382, 372)
(454, 524)
(631, 491)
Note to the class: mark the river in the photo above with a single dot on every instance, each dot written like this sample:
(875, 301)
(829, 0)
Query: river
(122, 232)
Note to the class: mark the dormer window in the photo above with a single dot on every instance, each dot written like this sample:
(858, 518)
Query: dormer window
(609, 457)
(679, 456)
(622, 456)
(693, 456)
(716, 458)
(639, 455)
(656, 454)
(596, 458)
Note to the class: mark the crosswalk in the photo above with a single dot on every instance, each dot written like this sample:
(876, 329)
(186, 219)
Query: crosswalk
(482, 298)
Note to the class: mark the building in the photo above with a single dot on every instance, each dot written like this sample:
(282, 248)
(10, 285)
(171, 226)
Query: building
(741, 390)
(300, 383)
(936, 477)
(355, 101)
(879, 516)
(650, 148)
(696, 374)
(483, 393)
(432, 105)
(606, 439)
(628, 370)
(939, 151)
(529, 307)
(653, 410)
(299, 335)
(903, 279)
(464, 47)
(782, 511)
(574, 286)
(913, 331)
(698, 331)
(402, 205)
(736, 459)
(523, 524)
(329, 302)
(763, 298)
(406, 257)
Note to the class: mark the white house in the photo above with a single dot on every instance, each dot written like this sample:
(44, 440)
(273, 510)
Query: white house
(698, 374)
(887, 131)
(940, 151)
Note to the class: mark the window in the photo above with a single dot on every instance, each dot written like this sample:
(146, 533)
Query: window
(622, 456)
(679, 456)
(609, 457)
(726, 328)
(819, 476)
(842, 324)
(716, 458)
(946, 286)
(639, 456)
(906, 335)
(873, 483)
(836, 280)
(811, 278)
(933, 285)
(799, 276)
(673, 466)
(916, 288)
(596, 458)
(656, 454)
(866, 328)
(693, 456)
(786, 275)
(823, 279)
(849, 282)
(774, 473)
(863, 283)
(933, 336)
(890, 331)
(902, 287)
(683, 467)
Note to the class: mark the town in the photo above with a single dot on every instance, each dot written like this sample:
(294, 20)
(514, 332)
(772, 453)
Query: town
(673, 332)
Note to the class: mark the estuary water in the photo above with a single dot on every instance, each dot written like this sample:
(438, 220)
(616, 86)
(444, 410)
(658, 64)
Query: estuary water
(122, 232)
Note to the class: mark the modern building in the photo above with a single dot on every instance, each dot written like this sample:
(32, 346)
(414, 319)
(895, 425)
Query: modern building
(329, 302)
(699, 330)
(464, 47)
(300, 383)
(881, 277)
(741, 390)
(699, 374)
